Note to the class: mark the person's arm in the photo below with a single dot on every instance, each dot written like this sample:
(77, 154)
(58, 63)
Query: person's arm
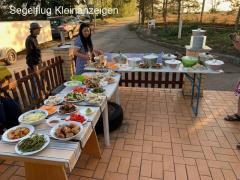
(98, 52)
(83, 56)
(80, 51)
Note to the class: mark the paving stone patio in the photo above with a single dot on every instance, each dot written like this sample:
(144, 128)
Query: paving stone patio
(160, 139)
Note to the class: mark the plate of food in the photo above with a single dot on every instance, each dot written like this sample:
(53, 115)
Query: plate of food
(79, 90)
(66, 131)
(92, 98)
(67, 109)
(88, 111)
(143, 66)
(53, 100)
(103, 83)
(77, 117)
(33, 117)
(32, 144)
(74, 97)
(18, 133)
(53, 121)
(49, 108)
(91, 82)
(72, 83)
(109, 79)
(97, 90)
(157, 66)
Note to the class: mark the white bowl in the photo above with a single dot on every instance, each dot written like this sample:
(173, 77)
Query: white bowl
(168, 57)
(72, 83)
(31, 131)
(174, 64)
(41, 120)
(214, 64)
(54, 124)
(134, 61)
(52, 132)
(53, 100)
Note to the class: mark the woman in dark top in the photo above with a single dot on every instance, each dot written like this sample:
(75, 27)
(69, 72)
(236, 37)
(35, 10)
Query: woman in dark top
(86, 50)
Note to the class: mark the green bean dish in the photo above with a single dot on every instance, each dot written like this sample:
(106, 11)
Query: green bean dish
(31, 144)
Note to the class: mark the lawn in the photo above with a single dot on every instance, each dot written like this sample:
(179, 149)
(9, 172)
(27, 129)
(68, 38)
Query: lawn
(217, 38)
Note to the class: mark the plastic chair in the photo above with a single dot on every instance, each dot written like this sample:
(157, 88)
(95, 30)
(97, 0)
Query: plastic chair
(151, 24)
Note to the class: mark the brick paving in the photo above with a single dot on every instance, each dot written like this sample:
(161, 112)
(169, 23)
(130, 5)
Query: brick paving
(160, 139)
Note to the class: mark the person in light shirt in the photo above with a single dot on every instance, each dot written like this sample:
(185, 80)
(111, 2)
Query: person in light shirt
(86, 50)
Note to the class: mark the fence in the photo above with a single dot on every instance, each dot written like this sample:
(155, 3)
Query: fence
(30, 88)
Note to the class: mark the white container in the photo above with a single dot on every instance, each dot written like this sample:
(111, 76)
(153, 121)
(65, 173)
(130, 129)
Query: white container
(173, 64)
(214, 64)
(150, 59)
(134, 62)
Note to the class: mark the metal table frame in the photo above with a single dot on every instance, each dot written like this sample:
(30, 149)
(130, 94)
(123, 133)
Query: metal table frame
(195, 82)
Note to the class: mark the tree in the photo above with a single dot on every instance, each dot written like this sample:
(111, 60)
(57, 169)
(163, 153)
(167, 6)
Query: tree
(215, 4)
(165, 10)
(125, 7)
(237, 19)
(202, 11)
(179, 10)
(32, 3)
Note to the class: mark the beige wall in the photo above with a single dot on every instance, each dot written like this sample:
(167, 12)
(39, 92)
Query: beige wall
(13, 33)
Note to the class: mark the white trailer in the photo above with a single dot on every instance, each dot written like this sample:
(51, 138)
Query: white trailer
(13, 35)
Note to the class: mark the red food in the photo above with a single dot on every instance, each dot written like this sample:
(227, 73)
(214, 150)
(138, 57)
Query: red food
(79, 89)
(76, 117)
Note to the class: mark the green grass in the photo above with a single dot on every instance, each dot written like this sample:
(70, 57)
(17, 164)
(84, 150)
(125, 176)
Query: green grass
(217, 38)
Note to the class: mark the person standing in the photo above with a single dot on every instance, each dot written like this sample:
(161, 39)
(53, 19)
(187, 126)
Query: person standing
(86, 50)
(33, 52)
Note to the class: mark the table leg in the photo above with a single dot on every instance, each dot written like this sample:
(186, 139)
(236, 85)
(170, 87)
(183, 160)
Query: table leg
(92, 146)
(117, 96)
(43, 171)
(106, 125)
(198, 93)
(193, 87)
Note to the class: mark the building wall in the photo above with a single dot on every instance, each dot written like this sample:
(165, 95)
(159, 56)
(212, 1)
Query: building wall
(13, 33)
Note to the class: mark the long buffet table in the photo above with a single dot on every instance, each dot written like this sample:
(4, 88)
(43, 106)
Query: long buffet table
(52, 162)
(194, 75)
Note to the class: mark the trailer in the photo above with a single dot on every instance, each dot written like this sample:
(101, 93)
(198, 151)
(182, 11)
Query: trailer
(13, 35)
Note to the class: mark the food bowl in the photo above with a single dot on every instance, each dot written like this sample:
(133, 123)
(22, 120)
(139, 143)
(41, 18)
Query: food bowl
(150, 59)
(134, 62)
(167, 57)
(53, 121)
(189, 61)
(173, 64)
(120, 58)
(214, 64)
(33, 117)
(55, 130)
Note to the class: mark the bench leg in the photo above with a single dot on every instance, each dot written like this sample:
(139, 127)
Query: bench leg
(92, 146)
(43, 171)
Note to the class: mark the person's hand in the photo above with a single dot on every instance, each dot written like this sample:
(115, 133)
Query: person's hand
(98, 52)
(86, 57)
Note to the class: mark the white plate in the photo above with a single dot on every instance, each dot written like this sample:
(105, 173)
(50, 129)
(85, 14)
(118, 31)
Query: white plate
(48, 102)
(31, 131)
(52, 131)
(20, 119)
(103, 83)
(54, 118)
(83, 111)
(67, 113)
(73, 101)
(47, 139)
(67, 119)
(72, 83)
